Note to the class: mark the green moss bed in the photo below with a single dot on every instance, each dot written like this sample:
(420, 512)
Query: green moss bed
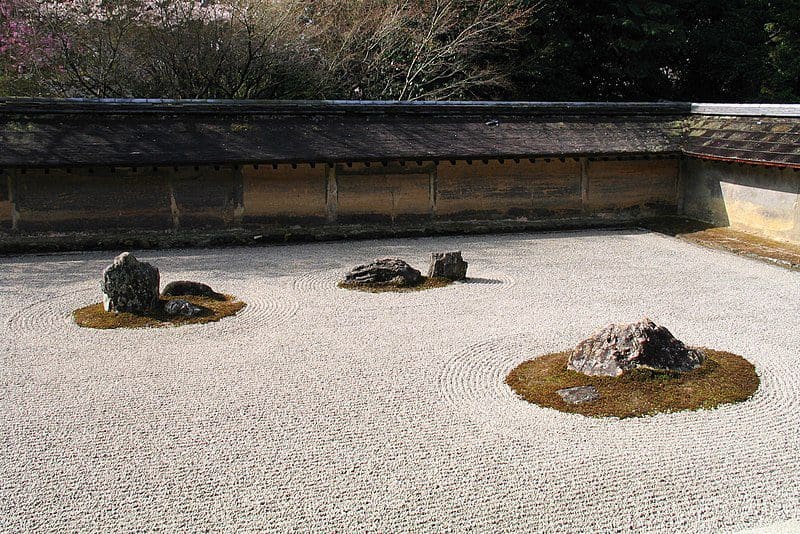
(722, 379)
(425, 283)
(94, 316)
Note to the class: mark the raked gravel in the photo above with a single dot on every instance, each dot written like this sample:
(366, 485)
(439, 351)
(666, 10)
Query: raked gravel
(321, 409)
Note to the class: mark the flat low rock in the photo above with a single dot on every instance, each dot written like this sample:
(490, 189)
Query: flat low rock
(617, 348)
(448, 265)
(579, 394)
(384, 271)
(182, 308)
(130, 285)
(182, 288)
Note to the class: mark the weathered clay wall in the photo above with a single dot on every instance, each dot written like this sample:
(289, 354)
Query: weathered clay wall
(6, 207)
(58, 200)
(761, 200)
(284, 194)
(494, 190)
(387, 194)
(391, 194)
(148, 199)
(640, 186)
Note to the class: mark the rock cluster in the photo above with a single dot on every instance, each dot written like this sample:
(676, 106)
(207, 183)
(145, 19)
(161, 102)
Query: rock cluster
(384, 271)
(448, 265)
(130, 285)
(182, 308)
(617, 348)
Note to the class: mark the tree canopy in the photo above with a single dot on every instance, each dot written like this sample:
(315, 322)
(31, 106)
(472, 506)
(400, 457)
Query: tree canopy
(693, 50)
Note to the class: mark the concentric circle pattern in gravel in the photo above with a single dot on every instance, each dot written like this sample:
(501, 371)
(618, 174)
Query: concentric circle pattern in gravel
(319, 409)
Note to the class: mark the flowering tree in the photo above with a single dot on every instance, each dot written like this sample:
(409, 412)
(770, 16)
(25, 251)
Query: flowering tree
(24, 49)
(411, 49)
(156, 48)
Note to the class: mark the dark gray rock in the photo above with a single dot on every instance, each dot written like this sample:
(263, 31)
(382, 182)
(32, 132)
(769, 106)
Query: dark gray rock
(182, 288)
(579, 394)
(130, 285)
(384, 271)
(448, 265)
(181, 307)
(617, 348)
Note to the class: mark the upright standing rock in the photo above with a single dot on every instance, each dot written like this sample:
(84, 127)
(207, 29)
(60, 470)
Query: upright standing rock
(130, 285)
(448, 265)
(617, 348)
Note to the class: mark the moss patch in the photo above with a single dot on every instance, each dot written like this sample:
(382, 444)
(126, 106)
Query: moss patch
(425, 283)
(729, 240)
(723, 378)
(94, 316)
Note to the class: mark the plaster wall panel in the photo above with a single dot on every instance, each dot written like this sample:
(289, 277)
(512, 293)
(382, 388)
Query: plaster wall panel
(284, 194)
(645, 186)
(508, 189)
(85, 199)
(378, 193)
(206, 196)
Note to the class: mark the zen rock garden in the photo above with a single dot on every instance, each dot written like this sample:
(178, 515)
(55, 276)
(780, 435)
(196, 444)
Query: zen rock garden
(394, 274)
(131, 298)
(621, 370)
(635, 369)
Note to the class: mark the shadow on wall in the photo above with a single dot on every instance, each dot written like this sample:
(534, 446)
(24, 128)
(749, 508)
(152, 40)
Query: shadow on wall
(762, 200)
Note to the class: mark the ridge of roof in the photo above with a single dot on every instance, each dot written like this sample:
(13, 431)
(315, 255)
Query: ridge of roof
(301, 107)
(747, 110)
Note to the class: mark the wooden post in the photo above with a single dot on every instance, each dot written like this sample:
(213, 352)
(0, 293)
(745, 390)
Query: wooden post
(680, 185)
(173, 204)
(13, 201)
(584, 184)
(432, 175)
(332, 193)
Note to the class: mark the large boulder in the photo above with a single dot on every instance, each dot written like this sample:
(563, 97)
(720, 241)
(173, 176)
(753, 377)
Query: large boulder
(130, 285)
(617, 348)
(448, 265)
(384, 271)
(182, 288)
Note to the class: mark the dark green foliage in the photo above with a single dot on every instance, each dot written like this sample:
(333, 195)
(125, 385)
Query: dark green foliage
(783, 82)
(693, 50)
(584, 50)
(727, 54)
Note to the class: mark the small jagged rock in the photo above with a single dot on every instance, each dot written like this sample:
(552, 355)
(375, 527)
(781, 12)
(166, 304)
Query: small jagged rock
(181, 307)
(448, 265)
(579, 394)
(182, 288)
(130, 285)
(617, 348)
(384, 271)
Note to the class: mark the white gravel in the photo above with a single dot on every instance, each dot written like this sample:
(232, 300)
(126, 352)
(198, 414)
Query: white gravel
(320, 409)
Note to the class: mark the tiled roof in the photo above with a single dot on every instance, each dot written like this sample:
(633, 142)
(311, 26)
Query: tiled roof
(48, 132)
(130, 133)
(763, 140)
